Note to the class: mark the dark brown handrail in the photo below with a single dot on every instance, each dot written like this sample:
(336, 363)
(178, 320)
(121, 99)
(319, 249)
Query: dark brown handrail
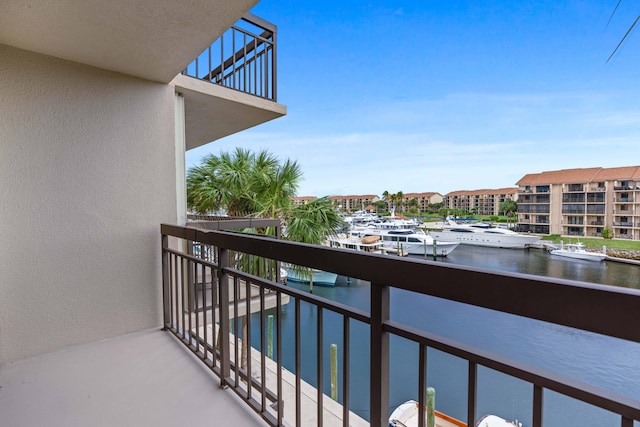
(601, 309)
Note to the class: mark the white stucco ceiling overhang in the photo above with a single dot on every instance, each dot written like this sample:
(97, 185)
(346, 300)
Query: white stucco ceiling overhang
(213, 112)
(151, 39)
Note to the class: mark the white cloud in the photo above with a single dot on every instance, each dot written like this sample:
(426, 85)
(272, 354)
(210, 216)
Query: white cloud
(461, 141)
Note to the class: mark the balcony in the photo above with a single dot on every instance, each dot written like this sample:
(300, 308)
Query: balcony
(233, 80)
(243, 58)
(169, 378)
(200, 313)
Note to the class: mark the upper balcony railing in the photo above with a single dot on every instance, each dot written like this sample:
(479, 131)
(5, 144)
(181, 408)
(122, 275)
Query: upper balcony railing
(208, 288)
(243, 58)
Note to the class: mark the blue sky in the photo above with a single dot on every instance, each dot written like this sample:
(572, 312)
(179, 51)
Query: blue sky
(447, 95)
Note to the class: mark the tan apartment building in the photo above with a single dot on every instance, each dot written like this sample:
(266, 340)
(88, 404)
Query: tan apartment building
(303, 200)
(581, 202)
(482, 202)
(354, 203)
(424, 199)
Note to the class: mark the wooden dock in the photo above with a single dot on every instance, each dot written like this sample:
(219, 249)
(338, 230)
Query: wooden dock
(331, 412)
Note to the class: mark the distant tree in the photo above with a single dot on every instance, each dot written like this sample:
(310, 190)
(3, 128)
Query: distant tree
(414, 206)
(435, 207)
(509, 207)
(380, 206)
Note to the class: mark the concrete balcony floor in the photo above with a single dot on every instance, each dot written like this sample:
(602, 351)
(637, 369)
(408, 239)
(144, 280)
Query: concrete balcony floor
(142, 379)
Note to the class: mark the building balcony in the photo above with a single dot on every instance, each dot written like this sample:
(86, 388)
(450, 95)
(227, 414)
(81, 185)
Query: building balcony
(233, 80)
(173, 377)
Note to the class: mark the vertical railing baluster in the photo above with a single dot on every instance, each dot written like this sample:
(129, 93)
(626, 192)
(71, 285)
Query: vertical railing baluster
(223, 285)
(346, 357)
(319, 365)
(472, 383)
(233, 57)
(189, 287)
(254, 72)
(210, 72)
(238, 345)
(205, 335)
(166, 285)
(263, 351)
(176, 301)
(183, 300)
(279, 357)
(220, 81)
(265, 78)
(379, 363)
(244, 61)
(274, 93)
(215, 306)
(537, 406)
(195, 312)
(626, 422)
(297, 361)
(422, 384)
(247, 291)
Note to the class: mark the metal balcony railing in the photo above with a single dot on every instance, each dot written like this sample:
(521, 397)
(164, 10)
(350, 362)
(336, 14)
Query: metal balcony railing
(207, 292)
(243, 58)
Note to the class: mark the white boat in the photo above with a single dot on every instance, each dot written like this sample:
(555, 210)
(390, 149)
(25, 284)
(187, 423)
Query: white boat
(305, 275)
(414, 242)
(483, 234)
(406, 415)
(577, 251)
(495, 421)
(360, 217)
(371, 244)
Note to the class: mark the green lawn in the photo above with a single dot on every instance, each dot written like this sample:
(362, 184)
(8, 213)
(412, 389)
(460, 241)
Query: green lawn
(621, 244)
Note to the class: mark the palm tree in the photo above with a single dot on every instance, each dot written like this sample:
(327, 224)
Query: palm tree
(256, 184)
(509, 207)
(312, 222)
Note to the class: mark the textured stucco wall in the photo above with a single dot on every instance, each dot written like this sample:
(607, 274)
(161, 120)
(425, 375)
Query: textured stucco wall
(87, 174)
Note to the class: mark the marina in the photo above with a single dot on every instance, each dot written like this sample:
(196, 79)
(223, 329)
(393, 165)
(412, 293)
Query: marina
(606, 362)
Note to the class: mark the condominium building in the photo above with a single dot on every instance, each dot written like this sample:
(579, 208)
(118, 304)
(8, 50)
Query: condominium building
(303, 200)
(481, 202)
(354, 203)
(424, 199)
(581, 202)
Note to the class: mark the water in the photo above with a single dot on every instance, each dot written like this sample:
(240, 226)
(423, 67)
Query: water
(606, 362)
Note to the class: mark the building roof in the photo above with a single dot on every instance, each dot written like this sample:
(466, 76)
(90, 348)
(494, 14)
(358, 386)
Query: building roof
(575, 176)
(509, 190)
(364, 196)
(418, 195)
(609, 174)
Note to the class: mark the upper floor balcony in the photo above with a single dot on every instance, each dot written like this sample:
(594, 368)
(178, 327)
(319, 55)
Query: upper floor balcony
(234, 80)
(243, 58)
